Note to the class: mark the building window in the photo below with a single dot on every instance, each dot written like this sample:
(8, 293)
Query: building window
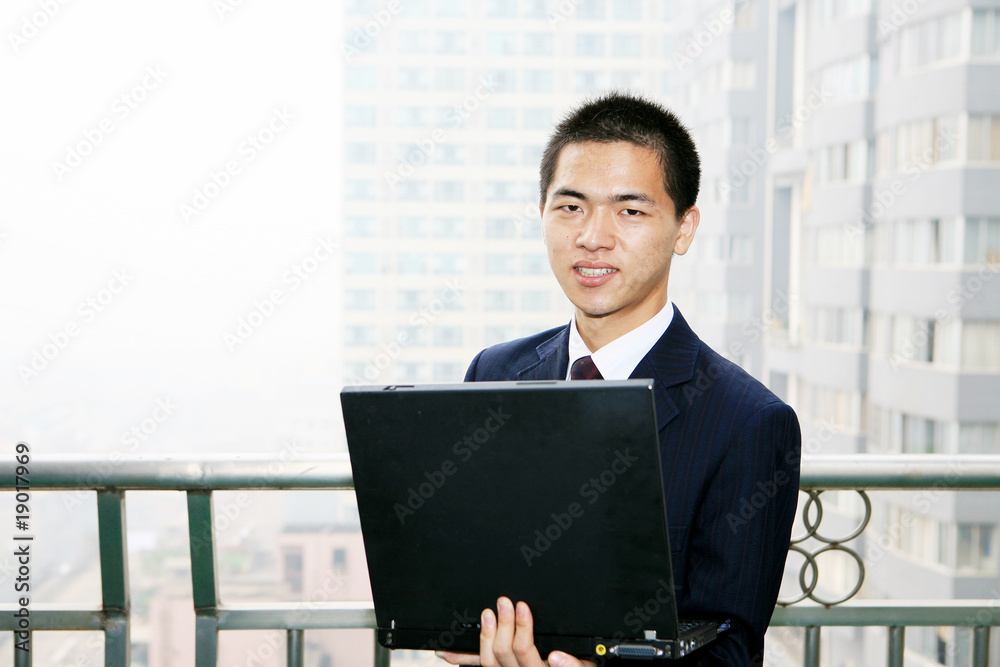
(411, 190)
(499, 228)
(411, 263)
(982, 241)
(499, 265)
(356, 226)
(924, 340)
(504, 80)
(411, 116)
(413, 41)
(411, 372)
(338, 560)
(501, 154)
(501, 9)
(538, 44)
(977, 548)
(627, 10)
(449, 191)
(449, 228)
(356, 115)
(496, 335)
(501, 44)
(498, 300)
(500, 191)
(449, 79)
(501, 119)
(590, 46)
(981, 345)
(450, 42)
(448, 372)
(926, 241)
(359, 336)
(360, 263)
(413, 79)
(449, 8)
(411, 335)
(292, 559)
(449, 263)
(590, 9)
(447, 336)
(986, 33)
(538, 81)
(535, 300)
(411, 299)
(358, 77)
(984, 139)
(450, 154)
(979, 438)
(359, 299)
(537, 119)
(412, 228)
(627, 45)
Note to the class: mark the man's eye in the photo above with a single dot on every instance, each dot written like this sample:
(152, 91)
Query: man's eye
(632, 212)
(571, 208)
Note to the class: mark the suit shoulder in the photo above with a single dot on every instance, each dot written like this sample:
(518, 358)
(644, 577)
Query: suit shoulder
(733, 380)
(502, 361)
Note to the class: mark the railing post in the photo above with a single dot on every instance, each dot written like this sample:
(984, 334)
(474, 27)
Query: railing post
(811, 658)
(204, 580)
(980, 646)
(897, 635)
(382, 655)
(22, 658)
(114, 577)
(296, 648)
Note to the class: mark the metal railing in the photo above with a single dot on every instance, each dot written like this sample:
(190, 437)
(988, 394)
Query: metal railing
(200, 477)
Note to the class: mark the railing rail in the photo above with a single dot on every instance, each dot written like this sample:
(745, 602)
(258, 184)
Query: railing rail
(199, 477)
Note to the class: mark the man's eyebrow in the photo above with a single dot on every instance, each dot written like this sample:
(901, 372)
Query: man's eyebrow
(632, 196)
(566, 192)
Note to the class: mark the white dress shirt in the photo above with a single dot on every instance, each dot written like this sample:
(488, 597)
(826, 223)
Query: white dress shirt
(618, 359)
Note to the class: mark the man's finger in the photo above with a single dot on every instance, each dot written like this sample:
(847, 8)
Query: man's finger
(503, 643)
(458, 658)
(560, 659)
(487, 635)
(524, 638)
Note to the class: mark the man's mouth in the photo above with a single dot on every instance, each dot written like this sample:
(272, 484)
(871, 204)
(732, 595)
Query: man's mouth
(593, 273)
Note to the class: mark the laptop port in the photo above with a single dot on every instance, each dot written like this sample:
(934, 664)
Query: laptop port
(637, 651)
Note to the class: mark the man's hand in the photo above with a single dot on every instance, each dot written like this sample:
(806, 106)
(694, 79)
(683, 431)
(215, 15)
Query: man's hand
(511, 642)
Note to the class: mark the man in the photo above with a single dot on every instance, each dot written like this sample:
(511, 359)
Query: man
(619, 181)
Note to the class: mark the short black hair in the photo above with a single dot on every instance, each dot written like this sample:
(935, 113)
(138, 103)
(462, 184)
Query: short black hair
(618, 116)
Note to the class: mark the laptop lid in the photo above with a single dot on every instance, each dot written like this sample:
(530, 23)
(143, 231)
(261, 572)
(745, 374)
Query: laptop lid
(547, 492)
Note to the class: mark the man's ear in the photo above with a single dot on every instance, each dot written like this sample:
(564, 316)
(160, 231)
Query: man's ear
(688, 226)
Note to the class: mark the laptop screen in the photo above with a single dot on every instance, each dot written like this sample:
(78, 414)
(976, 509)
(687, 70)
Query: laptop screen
(547, 492)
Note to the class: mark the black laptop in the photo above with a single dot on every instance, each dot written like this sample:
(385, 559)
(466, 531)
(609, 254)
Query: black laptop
(547, 492)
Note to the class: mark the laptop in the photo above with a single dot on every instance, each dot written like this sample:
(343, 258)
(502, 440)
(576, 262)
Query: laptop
(548, 492)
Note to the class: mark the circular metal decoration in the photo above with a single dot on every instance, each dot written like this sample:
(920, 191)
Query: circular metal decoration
(808, 581)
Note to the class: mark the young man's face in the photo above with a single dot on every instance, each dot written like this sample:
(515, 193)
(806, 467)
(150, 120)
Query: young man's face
(610, 228)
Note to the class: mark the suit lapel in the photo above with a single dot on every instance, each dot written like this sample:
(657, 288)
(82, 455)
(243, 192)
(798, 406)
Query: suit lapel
(669, 362)
(553, 359)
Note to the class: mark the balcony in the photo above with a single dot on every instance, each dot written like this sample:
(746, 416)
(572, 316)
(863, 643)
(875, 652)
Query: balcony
(200, 477)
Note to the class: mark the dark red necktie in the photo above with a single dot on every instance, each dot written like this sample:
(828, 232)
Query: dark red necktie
(584, 369)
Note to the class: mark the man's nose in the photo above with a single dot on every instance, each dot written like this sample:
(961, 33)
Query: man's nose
(598, 230)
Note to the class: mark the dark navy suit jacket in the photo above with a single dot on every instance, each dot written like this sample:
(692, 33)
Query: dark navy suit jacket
(730, 451)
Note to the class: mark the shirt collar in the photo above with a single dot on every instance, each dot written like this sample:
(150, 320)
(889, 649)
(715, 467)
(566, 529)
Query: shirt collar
(618, 359)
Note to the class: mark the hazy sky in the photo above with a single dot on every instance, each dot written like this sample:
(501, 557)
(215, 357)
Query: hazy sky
(113, 295)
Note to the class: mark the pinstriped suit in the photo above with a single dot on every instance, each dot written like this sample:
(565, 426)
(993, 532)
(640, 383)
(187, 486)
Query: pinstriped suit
(730, 452)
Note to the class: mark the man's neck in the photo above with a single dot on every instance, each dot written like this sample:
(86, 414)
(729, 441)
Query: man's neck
(597, 332)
